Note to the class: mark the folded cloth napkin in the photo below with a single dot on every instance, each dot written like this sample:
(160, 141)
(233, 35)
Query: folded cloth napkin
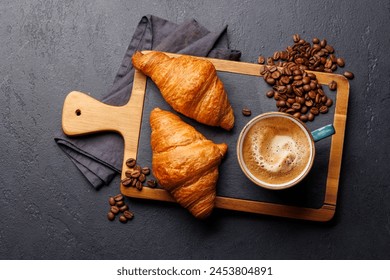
(99, 156)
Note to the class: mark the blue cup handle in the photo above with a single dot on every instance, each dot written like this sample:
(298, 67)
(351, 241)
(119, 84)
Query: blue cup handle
(323, 132)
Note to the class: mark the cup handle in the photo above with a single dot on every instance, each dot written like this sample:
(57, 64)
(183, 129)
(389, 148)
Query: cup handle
(323, 132)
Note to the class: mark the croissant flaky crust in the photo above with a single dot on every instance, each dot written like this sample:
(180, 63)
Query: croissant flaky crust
(184, 162)
(190, 85)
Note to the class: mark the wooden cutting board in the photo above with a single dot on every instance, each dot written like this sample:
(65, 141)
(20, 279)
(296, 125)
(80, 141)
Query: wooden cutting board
(83, 114)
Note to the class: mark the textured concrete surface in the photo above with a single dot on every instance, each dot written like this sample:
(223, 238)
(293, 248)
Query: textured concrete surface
(48, 210)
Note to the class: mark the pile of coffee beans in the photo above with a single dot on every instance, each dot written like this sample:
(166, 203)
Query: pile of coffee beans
(296, 91)
(136, 176)
(117, 205)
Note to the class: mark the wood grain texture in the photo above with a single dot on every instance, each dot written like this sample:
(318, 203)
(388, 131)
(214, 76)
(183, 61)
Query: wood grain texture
(83, 115)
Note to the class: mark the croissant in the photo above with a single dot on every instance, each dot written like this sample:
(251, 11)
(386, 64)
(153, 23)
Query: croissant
(184, 162)
(190, 85)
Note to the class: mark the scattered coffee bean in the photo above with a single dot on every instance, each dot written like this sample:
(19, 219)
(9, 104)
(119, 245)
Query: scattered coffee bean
(246, 112)
(135, 174)
(126, 182)
(118, 197)
(124, 208)
(261, 59)
(120, 203)
(332, 85)
(151, 183)
(122, 219)
(142, 178)
(323, 109)
(139, 186)
(145, 170)
(349, 75)
(131, 162)
(129, 215)
(111, 201)
(114, 209)
(111, 216)
(340, 62)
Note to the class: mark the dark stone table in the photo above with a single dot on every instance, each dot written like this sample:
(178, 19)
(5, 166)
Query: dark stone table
(49, 210)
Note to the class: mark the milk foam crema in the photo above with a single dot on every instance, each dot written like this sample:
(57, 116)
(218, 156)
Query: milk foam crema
(276, 150)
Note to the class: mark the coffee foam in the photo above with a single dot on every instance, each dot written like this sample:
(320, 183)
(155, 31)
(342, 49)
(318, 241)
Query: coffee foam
(276, 150)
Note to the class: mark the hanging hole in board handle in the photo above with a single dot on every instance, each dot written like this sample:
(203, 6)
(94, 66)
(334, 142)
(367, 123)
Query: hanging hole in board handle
(78, 112)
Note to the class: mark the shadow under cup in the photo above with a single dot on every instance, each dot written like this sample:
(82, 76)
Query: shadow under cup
(262, 182)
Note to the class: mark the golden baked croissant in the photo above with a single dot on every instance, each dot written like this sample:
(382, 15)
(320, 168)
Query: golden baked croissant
(190, 85)
(184, 162)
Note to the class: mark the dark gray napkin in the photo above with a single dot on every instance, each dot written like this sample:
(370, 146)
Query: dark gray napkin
(99, 156)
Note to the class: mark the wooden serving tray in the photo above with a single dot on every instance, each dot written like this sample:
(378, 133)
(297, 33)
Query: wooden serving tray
(84, 115)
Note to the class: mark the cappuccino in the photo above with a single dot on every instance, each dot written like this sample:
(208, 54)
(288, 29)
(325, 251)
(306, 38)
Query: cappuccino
(276, 150)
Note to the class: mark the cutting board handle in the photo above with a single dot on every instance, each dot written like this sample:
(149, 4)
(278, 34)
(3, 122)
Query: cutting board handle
(83, 114)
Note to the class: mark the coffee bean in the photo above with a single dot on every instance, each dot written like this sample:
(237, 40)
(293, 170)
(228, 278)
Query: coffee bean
(314, 111)
(303, 118)
(129, 215)
(261, 60)
(310, 117)
(118, 197)
(323, 109)
(151, 183)
(275, 75)
(111, 216)
(306, 88)
(329, 48)
(126, 182)
(340, 62)
(145, 170)
(123, 208)
(290, 111)
(128, 173)
(316, 41)
(349, 75)
(263, 70)
(270, 93)
(297, 115)
(304, 109)
(120, 203)
(329, 102)
(134, 182)
(139, 185)
(296, 38)
(332, 85)
(138, 168)
(135, 174)
(281, 103)
(276, 55)
(296, 106)
(318, 98)
(131, 162)
(306, 80)
(111, 201)
(142, 178)
(328, 64)
(312, 94)
(270, 81)
(246, 112)
(114, 209)
(291, 100)
(123, 219)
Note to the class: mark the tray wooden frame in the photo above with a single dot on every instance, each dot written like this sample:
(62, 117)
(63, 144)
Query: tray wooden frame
(84, 115)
